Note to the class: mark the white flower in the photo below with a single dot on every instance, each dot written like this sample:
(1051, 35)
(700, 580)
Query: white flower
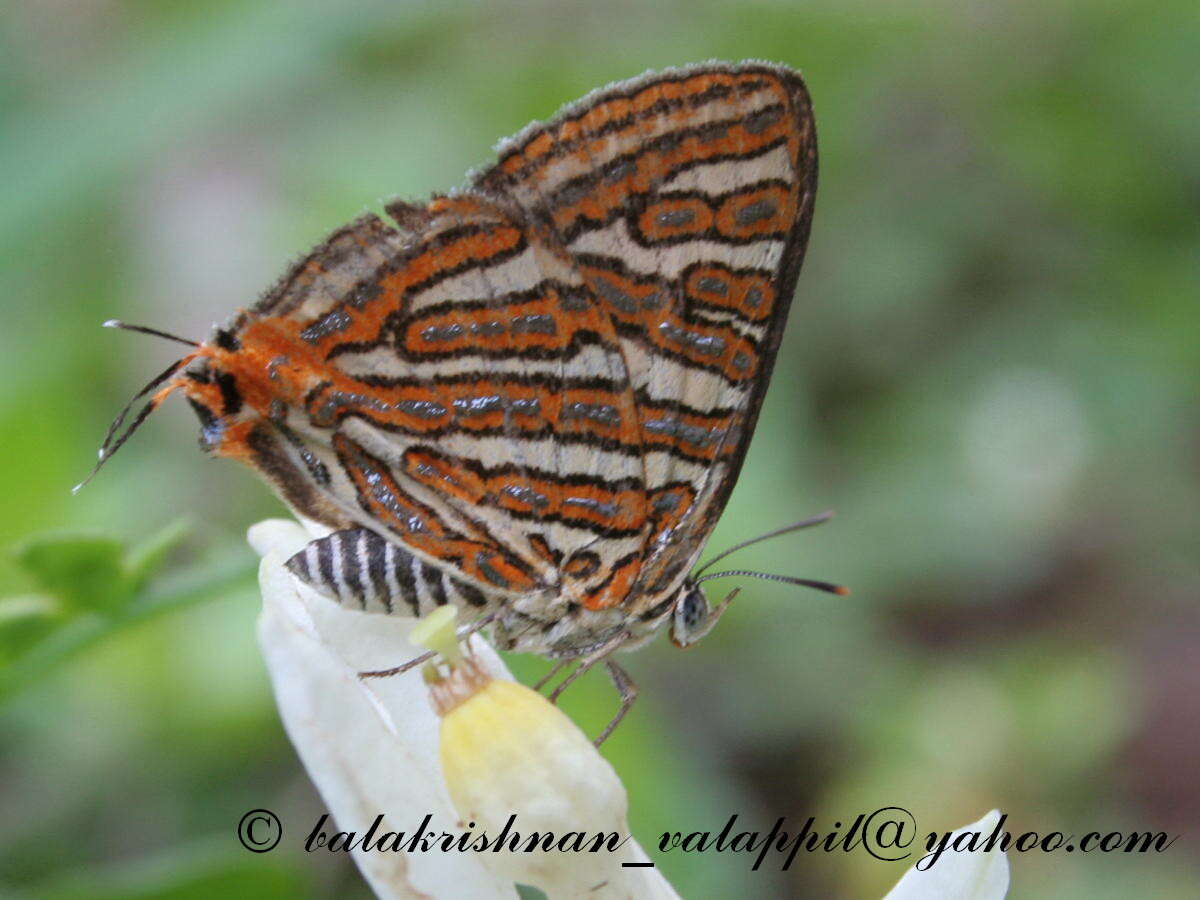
(372, 747)
(959, 874)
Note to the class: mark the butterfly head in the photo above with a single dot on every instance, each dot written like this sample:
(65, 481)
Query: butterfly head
(230, 390)
(244, 374)
(215, 384)
(692, 617)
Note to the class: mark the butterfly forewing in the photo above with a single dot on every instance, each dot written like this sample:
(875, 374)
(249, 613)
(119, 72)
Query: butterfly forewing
(470, 398)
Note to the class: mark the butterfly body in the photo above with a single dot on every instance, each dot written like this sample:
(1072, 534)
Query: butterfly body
(532, 397)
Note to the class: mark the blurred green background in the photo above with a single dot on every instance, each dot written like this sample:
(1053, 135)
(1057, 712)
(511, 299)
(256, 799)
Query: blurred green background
(991, 373)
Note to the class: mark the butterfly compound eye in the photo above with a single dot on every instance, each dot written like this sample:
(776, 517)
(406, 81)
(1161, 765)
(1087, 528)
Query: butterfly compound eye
(690, 621)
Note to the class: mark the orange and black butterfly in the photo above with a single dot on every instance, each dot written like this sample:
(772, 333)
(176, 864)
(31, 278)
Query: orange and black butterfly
(531, 397)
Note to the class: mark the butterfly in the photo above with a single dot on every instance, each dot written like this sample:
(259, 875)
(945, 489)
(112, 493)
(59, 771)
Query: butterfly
(531, 397)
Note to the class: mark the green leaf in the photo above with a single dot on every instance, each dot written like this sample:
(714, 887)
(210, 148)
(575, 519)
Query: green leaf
(24, 621)
(75, 634)
(96, 574)
(91, 588)
(85, 573)
(148, 557)
(15, 610)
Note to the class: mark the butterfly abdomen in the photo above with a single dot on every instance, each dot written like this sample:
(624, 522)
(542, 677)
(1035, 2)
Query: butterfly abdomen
(361, 570)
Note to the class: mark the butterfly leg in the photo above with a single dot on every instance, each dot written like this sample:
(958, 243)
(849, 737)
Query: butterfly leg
(628, 691)
(594, 656)
(463, 633)
(621, 680)
(583, 666)
(400, 669)
(624, 684)
(554, 670)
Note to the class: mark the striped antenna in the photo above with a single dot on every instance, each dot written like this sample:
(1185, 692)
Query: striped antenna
(826, 586)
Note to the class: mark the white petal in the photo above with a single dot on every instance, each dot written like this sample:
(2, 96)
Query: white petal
(369, 749)
(959, 875)
(284, 537)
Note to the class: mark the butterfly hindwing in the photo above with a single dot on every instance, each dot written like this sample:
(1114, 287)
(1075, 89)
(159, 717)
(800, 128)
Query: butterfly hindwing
(685, 199)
